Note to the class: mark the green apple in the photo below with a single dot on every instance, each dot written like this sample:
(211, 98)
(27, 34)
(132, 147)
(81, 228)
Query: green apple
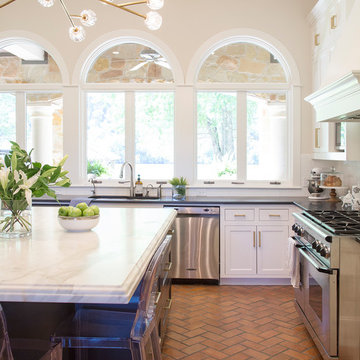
(82, 206)
(88, 212)
(95, 209)
(75, 212)
(63, 211)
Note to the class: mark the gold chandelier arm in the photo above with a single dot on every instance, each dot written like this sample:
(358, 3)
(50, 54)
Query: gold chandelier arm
(6, 3)
(67, 13)
(122, 7)
(132, 3)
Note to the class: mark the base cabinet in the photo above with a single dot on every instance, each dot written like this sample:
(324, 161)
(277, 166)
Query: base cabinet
(252, 250)
(254, 242)
(240, 250)
(272, 242)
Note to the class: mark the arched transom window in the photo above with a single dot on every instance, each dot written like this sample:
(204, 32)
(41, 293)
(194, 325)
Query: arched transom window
(242, 127)
(31, 100)
(130, 112)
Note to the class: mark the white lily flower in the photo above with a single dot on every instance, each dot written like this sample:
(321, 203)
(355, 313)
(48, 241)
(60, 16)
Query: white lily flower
(16, 176)
(4, 177)
(26, 185)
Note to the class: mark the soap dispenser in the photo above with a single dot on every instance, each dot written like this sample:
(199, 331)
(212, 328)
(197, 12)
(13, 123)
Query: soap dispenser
(139, 189)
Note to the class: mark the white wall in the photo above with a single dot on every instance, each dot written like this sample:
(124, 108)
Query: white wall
(187, 24)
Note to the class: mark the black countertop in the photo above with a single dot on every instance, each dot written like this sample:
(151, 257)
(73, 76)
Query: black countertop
(302, 202)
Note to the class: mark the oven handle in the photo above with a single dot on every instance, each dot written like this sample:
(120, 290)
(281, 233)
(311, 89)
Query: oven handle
(314, 262)
(298, 244)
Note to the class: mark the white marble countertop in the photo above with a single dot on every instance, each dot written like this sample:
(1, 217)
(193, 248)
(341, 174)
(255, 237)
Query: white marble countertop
(103, 265)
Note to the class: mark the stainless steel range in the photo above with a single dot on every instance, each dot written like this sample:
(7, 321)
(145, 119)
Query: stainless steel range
(328, 298)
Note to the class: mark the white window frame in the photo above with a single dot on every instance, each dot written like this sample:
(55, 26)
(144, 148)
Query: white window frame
(292, 88)
(241, 140)
(20, 91)
(129, 90)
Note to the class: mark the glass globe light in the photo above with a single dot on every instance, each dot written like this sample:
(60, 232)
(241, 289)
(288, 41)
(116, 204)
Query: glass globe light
(77, 33)
(88, 17)
(46, 3)
(153, 20)
(155, 4)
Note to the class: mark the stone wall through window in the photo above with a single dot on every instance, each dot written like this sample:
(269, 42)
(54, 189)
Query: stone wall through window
(241, 62)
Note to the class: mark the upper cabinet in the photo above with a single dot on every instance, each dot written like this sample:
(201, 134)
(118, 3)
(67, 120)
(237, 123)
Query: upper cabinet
(327, 19)
(333, 138)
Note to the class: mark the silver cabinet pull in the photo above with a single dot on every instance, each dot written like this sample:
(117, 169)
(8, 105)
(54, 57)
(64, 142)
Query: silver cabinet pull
(168, 266)
(259, 239)
(158, 297)
(168, 306)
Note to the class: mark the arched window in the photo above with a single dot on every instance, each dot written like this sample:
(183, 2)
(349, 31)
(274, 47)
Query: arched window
(242, 113)
(129, 90)
(31, 100)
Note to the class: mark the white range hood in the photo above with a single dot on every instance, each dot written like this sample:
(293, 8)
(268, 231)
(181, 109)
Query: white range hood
(339, 101)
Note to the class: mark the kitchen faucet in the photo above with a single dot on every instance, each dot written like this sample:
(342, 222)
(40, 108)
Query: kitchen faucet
(132, 186)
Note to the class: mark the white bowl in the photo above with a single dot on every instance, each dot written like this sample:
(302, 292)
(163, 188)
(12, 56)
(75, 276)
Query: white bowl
(81, 223)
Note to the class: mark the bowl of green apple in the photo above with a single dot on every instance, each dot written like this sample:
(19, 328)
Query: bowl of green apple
(78, 218)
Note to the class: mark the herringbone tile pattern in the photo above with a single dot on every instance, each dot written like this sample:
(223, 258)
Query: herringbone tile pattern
(235, 323)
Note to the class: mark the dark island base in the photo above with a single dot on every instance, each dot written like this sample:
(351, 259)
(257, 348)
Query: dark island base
(30, 325)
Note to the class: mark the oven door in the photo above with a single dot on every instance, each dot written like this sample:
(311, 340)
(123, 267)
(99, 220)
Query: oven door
(320, 286)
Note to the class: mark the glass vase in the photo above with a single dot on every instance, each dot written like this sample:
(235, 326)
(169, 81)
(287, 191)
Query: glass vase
(179, 192)
(15, 218)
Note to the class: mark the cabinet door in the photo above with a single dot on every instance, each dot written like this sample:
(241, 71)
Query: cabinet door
(240, 250)
(272, 250)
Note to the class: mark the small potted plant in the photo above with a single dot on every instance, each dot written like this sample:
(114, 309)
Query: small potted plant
(178, 188)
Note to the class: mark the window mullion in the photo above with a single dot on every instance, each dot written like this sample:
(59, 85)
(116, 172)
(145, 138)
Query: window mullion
(130, 127)
(21, 118)
(241, 135)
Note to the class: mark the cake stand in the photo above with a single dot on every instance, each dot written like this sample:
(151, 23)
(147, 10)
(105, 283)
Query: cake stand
(333, 195)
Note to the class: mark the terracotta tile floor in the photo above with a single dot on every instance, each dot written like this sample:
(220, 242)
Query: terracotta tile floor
(235, 322)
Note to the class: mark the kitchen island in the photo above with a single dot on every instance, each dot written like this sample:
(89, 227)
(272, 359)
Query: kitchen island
(104, 265)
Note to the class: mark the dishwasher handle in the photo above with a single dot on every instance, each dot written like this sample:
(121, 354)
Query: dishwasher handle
(195, 210)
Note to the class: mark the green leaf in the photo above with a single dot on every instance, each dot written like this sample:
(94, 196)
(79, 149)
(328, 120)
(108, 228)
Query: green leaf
(62, 174)
(48, 172)
(31, 172)
(36, 165)
(55, 175)
(63, 182)
(62, 162)
(38, 193)
(13, 161)
(7, 160)
(51, 193)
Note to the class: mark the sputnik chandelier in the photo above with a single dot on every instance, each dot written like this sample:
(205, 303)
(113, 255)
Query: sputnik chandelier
(152, 19)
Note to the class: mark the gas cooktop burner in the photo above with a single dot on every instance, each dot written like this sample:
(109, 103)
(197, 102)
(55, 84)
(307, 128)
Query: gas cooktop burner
(337, 222)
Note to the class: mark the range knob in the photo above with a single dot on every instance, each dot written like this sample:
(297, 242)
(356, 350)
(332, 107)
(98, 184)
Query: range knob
(300, 231)
(295, 227)
(325, 252)
(319, 246)
(315, 244)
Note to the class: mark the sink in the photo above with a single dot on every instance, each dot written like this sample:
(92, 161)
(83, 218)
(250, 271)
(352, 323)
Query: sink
(122, 197)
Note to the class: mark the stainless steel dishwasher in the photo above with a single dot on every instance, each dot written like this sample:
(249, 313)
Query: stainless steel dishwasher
(195, 245)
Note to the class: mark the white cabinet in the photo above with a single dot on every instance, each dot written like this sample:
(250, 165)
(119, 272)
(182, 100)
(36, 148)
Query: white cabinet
(272, 244)
(255, 245)
(240, 250)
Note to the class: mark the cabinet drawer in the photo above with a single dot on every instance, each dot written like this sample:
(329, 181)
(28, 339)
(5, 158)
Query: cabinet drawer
(240, 215)
(274, 214)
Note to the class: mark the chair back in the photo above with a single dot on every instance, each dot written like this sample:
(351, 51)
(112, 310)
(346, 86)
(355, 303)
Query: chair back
(149, 293)
(5, 349)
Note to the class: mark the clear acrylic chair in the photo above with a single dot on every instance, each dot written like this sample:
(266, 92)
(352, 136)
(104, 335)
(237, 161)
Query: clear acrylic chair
(135, 335)
(26, 349)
